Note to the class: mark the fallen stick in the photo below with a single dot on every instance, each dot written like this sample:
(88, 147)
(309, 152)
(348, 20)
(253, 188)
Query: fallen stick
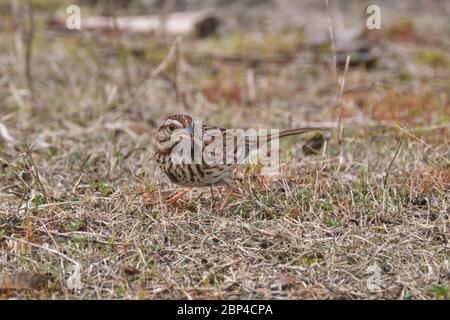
(253, 59)
(200, 24)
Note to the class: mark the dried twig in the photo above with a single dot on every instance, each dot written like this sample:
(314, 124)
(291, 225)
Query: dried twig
(124, 56)
(392, 161)
(424, 143)
(165, 63)
(24, 25)
(339, 100)
(45, 248)
(332, 39)
(37, 175)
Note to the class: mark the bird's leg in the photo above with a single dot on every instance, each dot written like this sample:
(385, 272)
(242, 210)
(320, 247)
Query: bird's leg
(225, 200)
(173, 200)
(213, 199)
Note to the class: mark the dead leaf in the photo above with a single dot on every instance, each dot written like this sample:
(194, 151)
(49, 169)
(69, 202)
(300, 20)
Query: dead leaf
(24, 281)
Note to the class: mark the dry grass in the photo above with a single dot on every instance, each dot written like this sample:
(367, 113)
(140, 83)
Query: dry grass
(80, 186)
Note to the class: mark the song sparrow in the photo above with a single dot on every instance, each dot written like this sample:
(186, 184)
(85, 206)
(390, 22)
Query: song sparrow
(203, 173)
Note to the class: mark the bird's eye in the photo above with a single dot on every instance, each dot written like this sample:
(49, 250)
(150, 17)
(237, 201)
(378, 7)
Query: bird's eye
(172, 127)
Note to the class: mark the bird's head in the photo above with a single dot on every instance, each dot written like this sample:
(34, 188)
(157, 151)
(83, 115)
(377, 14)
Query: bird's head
(172, 131)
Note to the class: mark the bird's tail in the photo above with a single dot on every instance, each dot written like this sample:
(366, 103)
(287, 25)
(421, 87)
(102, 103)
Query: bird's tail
(293, 132)
(252, 144)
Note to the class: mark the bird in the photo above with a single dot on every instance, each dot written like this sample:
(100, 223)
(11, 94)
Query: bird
(180, 128)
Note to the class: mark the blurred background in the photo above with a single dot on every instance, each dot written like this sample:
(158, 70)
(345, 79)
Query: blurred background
(79, 108)
(274, 56)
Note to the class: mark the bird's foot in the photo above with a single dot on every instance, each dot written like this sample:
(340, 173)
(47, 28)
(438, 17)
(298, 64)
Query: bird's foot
(173, 201)
(225, 201)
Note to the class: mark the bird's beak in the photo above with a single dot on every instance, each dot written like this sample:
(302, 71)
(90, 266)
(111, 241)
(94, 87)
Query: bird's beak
(190, 129)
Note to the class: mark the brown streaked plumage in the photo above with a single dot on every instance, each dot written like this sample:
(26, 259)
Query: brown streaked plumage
(180, 126)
